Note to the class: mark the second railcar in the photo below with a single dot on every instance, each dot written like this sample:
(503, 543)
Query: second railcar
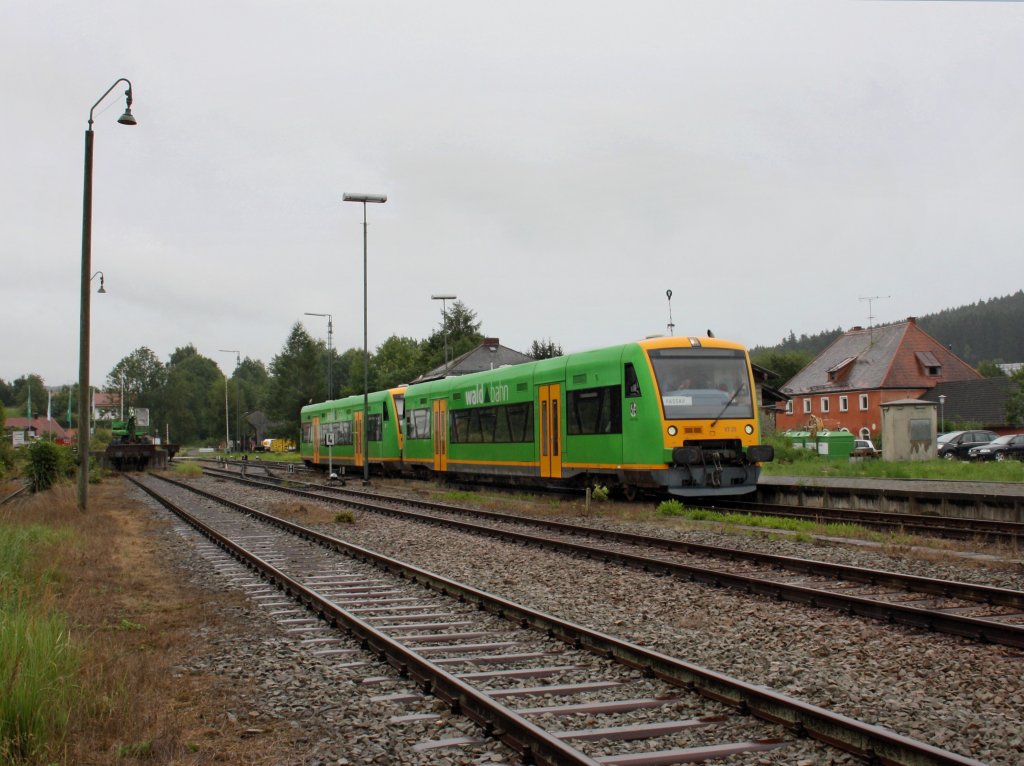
(332, 432)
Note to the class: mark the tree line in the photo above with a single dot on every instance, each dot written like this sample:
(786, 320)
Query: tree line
(186, 395)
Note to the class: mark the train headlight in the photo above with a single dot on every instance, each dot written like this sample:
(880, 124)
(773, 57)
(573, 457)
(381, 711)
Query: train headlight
(672, 430)
(749, 429)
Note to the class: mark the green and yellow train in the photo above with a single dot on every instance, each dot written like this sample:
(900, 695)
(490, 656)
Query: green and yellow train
(677, 415)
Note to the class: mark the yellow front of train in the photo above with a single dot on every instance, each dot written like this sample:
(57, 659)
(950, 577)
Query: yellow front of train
(709, 415)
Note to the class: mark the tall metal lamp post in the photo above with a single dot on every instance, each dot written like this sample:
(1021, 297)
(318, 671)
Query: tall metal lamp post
(238, 399)
(364, 198)
(83, 345)
(330, 354)
(942, 413)
(444, 318)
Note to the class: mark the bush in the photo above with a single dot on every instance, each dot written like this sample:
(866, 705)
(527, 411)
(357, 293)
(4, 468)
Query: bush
(599, 493)
(671, 508)
(188, 470)
(47, 464)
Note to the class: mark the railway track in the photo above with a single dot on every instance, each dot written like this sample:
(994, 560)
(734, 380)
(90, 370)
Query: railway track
(20, 492)
(976, 612)
(952, 527)
(555, 692)
(949, 527)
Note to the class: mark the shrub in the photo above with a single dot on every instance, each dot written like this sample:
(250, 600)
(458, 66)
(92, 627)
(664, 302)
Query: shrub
(671, 508)
(47, 464)
(599, 493)
(344, 517)
(188, 470)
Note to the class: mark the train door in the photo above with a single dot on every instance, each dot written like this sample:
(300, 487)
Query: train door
(358, 438)
(316, 440)
(550, 431)
(440, 434)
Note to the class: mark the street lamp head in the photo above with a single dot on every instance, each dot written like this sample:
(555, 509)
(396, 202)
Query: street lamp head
(100, 275)
(364, 197)
(127, 118)
(442, 297)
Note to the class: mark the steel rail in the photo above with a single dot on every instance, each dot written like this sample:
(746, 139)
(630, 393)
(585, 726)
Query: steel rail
(15, 493)
(875, 743)
(497, 720)
(953, 527)
(974, 628)
(956, 527)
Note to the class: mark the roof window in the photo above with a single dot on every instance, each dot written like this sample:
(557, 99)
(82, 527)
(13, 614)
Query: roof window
(932, 366)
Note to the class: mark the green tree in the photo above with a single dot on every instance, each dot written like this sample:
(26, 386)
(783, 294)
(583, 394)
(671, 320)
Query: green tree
(193, 399)
(6, 393)
(545, 349)
(395, 361)
(1015, 401)
(785, 364)
(29, 388)
(348, 373)
(144, 377)
(990, 368)
(460, 329)
(297, 377)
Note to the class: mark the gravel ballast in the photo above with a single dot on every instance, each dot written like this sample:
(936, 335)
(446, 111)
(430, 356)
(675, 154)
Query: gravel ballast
(952, 693)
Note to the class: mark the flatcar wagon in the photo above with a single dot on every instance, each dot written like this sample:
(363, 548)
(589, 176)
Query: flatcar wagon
(332, 432)
(677, 415)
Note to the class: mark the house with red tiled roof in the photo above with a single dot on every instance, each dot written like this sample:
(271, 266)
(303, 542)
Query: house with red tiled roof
(847, 383)
(41, 427)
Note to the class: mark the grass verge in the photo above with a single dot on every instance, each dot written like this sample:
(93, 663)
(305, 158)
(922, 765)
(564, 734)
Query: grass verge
(38, 662)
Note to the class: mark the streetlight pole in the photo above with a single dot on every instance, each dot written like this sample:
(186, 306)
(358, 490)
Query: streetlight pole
(330, 355)
(444, 319)
(364, 198)
(238, 403)
(84, 410)
(942, 413)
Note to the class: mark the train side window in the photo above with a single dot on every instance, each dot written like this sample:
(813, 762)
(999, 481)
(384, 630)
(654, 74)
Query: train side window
(594, 411)
(387, 410)
(374, 428)
(307, 432)
(418, 423)
(632, 382)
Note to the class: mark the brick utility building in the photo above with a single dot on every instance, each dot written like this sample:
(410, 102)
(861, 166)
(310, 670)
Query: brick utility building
(846, 384)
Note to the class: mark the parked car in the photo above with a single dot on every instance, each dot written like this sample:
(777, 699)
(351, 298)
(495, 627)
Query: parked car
(956, 444)
(864, 448)
(1002, 448)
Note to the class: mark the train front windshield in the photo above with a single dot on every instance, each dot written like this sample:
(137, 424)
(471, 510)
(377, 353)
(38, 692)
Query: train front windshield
(703, 383)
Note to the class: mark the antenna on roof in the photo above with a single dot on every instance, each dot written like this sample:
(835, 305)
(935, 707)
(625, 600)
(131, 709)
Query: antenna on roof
(871, 317)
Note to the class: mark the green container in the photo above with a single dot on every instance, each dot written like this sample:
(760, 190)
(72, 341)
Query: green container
(835, 445)
(797, 439)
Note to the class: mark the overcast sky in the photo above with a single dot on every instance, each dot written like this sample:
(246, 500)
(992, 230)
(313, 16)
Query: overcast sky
(557, 165)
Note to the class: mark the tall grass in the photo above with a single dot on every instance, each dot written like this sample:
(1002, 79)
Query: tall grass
(38, 662)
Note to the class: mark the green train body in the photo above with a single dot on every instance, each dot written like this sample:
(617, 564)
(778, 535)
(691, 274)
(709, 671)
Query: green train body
(332, 432)
(677, 415)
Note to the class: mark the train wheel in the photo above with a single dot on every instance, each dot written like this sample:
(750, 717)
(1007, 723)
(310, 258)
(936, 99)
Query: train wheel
(630, 492)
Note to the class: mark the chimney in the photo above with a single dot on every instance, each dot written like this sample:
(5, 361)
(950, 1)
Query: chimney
(491, 343)
(911, 320)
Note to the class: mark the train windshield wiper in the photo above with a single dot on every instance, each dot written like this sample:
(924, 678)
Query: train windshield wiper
(731, 400)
